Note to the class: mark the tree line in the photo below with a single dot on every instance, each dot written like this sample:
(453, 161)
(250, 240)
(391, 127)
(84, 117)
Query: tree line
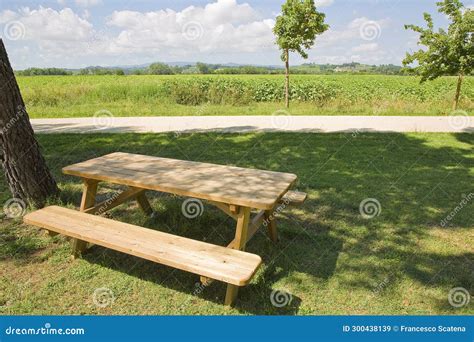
(219, 69)
(43, 72)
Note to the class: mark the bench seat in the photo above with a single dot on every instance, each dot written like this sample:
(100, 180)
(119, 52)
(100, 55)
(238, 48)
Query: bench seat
(224, 264)
(294, 197)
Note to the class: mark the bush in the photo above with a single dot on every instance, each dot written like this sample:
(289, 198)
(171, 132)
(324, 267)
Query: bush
(205, 90)
(235, 91)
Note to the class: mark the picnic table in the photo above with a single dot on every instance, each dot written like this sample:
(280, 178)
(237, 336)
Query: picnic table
(234, 190)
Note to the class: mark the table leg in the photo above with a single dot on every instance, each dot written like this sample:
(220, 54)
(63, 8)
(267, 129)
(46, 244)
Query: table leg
(271, 225)
(241, 230)
(144, 203)
(88, 201)
(243, 219)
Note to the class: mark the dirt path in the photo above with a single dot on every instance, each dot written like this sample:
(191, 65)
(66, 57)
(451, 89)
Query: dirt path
(241, 124)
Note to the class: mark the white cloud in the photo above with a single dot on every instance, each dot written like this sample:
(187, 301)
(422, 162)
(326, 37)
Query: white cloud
(46, 24)
(353, 31)
(7, 16)
(87, 3)
(222, 26)
(366, 47)
(356, 41)
(86, 14)
(49, 34)
(324, 3)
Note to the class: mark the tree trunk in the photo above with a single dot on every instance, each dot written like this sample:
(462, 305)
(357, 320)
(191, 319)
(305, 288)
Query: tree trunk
(26, 172)
(458, 92)
(287, 79)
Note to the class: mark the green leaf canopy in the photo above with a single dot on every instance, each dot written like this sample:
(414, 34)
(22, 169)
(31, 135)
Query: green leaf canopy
(297, 26)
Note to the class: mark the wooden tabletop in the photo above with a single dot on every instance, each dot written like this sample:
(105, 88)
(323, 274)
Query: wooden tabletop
(227, 184)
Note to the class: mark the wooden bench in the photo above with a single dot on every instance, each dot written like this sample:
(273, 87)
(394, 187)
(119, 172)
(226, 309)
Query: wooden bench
(294, 197)
(224, 264)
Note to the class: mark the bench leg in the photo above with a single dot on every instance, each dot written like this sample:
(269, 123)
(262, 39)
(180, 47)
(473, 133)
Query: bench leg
(144, 203)
(78, 247)
(271, 224)
(88, 200)
(231, 294)
(205, 280)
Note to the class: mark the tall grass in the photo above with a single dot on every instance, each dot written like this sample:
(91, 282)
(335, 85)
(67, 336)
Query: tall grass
(361, 94)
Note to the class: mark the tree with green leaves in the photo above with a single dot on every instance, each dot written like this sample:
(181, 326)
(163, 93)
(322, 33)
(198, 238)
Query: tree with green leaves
(446, 52)
(203, 68)
(296, 30)
(159, 69)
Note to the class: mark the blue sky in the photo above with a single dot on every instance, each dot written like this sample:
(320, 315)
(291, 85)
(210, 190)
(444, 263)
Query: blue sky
(78, 33)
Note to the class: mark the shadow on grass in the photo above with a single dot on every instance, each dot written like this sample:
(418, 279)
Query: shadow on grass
(418, 179)
(253, 299)
(19, 244)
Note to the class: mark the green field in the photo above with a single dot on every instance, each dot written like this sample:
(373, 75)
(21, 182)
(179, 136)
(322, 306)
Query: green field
(329, 258)
(83, 96)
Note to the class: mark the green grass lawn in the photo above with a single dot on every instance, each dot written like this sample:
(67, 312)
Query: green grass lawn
(329, 258)
(176, 95)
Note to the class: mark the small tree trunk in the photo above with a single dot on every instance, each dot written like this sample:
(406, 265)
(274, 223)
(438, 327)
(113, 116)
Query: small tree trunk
(458, 92)
(26, 172)
(287, 78)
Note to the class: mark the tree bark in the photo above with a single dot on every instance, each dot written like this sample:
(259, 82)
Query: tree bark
(458, 92)
(287, 78)
(25, 169)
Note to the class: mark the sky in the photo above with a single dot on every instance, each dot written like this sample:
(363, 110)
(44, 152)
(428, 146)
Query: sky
(80, 33)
